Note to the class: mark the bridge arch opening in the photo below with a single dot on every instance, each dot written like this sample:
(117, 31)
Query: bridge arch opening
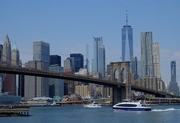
(123, 75)
(116, 75)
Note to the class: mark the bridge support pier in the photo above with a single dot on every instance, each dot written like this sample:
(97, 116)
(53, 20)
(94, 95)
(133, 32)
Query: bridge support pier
(119, 94)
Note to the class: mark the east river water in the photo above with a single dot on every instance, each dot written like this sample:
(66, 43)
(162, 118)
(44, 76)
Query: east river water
(79, 114)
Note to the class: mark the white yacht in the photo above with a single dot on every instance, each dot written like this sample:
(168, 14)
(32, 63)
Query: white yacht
(132, 106)
(93, 105)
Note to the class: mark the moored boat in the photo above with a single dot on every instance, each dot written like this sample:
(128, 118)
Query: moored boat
(93, 105)
(132, 106)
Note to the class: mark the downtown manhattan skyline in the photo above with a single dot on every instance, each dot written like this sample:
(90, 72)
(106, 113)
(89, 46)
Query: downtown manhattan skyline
(68, 26)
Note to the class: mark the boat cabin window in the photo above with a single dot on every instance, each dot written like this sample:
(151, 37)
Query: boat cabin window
(127, 105)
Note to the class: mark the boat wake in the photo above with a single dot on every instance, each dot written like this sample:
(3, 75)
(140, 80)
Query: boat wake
(169, 109)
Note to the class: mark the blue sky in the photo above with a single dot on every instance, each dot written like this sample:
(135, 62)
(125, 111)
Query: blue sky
(69, 25)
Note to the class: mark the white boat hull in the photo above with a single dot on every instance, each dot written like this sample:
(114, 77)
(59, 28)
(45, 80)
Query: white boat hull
(133, 109)
(93, 105)
(88, 106)
(131, 106)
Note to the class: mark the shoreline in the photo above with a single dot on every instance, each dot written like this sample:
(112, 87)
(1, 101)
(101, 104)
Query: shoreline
(66, 104)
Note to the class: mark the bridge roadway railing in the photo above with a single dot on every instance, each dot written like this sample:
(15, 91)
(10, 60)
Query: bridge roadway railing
(60, 75)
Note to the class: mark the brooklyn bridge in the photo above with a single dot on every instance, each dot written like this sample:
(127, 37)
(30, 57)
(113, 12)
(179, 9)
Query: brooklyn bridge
(121, 90)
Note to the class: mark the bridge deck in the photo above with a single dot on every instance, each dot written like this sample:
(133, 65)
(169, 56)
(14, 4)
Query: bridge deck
(62, 75)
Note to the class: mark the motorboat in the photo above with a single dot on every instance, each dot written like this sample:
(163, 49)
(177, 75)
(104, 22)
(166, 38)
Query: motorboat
(132, 106)
(93, 105)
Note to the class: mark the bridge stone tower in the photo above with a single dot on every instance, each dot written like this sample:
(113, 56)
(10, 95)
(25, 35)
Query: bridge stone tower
(120, 93)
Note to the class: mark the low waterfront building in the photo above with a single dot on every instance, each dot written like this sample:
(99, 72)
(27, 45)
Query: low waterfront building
(7, 99)
(73, 99)
(38, 101)
(83, 90)
(160, 101)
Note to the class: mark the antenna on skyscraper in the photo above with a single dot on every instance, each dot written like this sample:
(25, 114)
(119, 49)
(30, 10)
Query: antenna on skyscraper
(126, 17)
(87, 58)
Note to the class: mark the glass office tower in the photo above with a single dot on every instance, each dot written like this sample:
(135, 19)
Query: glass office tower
(78, 61)
(55, 60)
(41, 51)
(173, 84)
(127, 42)
(99, 56)
(101, 61)
(173, 71)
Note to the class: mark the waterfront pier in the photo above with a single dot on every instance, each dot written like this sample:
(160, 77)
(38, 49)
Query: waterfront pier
(14, 111)
(163, 101)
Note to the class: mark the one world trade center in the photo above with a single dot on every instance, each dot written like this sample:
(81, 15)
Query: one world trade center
(127, 41)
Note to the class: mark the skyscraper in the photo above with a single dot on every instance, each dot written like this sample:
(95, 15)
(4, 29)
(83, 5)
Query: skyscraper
(55, 60)
(69, 65)
(69, 87)
(99, 56)
(56, 86)
(134, 68)
(41, 51)
(156, 60)
(1, 75)
(87, 59)
(127, 41)
(173, 71)
(15, 56)
(173, 84)
(38, 86)
(6, 55)
(15, 61)
(9, 84)
(35, 86)
(1, 51)
(101, 61)
(147, 66)
(78, 61)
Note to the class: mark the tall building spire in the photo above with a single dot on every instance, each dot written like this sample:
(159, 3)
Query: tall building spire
(7, 38)
(14, 46)
(6, 56)
(126, 17)
(15, 56)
